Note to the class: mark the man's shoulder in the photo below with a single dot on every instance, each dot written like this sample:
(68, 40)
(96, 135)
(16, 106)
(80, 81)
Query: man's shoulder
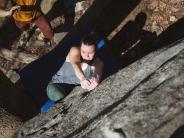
(75, 49)
(74, 52)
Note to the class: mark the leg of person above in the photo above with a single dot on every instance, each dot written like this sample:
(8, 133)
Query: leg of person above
(55, 92)
(45, 28)
(24, 27)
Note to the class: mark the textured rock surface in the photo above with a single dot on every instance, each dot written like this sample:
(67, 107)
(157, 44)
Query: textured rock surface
(46, 5)
(143, 100)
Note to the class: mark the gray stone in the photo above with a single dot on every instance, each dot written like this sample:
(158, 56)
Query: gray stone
(59, 36)
(46, 5)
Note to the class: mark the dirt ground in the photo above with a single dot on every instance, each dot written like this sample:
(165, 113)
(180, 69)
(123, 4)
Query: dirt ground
(126, 25)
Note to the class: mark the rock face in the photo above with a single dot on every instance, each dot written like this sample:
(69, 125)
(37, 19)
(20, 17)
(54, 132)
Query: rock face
(46, 5)
(143, 100)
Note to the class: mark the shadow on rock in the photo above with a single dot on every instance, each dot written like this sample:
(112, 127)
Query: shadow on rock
(65, 8)
(133, 43)
(128, 44)
(113, 14)
(15, 100)
(8, 33)
(179, 133)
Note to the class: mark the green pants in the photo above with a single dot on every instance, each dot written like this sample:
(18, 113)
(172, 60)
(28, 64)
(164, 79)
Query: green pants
(55, 92)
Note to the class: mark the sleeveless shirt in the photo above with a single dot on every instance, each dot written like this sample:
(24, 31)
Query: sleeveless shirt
(66, 74)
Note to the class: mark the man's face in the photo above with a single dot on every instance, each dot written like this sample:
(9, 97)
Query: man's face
(87, 52)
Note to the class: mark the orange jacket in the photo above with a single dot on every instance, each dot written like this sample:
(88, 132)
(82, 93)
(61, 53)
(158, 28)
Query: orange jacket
(26, 16)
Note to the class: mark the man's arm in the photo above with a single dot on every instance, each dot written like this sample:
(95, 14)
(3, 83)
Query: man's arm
(4, 13)
(74, 57)
(97, 70)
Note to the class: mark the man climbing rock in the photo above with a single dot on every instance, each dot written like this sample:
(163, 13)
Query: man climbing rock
(81, 67)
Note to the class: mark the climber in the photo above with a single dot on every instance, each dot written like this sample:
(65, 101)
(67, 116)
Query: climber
(28, 11)
(81, 67)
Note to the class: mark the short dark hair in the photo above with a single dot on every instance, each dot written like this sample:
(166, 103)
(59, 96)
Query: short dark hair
(90, 39)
